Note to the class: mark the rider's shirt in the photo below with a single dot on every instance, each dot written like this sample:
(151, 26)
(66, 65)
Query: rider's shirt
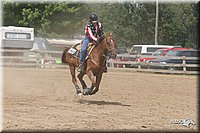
(93, 32)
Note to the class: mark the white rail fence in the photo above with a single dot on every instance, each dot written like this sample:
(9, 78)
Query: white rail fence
(45, 59)
(124, 60)
(27, 58)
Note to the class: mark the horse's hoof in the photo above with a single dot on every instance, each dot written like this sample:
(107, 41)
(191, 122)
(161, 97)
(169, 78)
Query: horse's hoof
(86, 91)
(93, 91)
(79, 94)
(78, 90)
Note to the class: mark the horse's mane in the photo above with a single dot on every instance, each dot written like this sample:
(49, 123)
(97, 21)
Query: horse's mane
(101, 39)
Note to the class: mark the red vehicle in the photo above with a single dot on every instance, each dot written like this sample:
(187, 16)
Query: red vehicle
(121, 51)
(160, 52)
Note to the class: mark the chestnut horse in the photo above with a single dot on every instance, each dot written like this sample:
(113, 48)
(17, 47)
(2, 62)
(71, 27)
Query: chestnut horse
(94, 64)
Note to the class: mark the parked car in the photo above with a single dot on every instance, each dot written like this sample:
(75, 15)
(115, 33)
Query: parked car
(147, 49)
(163, 63)
(121, 51)
(160, 52)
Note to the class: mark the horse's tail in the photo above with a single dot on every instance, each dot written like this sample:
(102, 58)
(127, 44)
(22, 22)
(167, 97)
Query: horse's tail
(64, 55)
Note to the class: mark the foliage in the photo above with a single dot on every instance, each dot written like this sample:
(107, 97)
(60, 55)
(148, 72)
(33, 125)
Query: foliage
(135, 24)
(131, 23)
(54, 19)
(177, 24)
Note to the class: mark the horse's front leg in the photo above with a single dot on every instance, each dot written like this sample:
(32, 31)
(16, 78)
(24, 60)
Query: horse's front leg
(98, 81)
(92, 78)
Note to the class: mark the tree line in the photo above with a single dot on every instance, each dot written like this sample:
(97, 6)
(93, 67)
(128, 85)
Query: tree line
(131, 23)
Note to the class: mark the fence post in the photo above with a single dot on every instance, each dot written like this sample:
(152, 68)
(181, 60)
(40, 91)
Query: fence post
(139, 65)
(110, 63)
(37, 58)
(184, 62)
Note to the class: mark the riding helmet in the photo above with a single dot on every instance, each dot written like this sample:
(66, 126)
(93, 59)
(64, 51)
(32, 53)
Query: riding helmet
(93, 17)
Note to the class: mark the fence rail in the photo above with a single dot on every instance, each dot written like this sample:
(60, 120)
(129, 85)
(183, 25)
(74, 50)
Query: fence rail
(38, 59)
(140, 64)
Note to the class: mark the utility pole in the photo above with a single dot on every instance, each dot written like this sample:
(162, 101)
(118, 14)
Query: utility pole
(198, 26)
(156, 24)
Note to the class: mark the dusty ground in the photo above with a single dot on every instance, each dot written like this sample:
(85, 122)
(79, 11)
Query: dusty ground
(45, 99)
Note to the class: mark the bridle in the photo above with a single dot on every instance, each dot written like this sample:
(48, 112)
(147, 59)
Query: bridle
(109, 49)
(111, 42)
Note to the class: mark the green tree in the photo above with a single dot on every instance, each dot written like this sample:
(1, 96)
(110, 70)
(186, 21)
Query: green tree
(177, 24)
(131, 23)
(134, 24)
(51, 19)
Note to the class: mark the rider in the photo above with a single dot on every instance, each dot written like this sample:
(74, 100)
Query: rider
(93, 30)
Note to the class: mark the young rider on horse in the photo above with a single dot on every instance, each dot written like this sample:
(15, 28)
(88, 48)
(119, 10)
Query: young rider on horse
(93, 31)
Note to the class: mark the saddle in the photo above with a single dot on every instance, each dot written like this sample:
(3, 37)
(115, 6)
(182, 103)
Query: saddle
(76, 48)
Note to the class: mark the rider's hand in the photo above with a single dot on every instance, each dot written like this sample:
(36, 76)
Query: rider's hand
(98, 38)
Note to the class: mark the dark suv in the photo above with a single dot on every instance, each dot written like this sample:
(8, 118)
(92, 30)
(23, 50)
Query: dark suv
(170, 58)
(186, 53)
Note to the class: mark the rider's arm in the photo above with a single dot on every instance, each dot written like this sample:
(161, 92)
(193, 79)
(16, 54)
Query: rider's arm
(91, 35)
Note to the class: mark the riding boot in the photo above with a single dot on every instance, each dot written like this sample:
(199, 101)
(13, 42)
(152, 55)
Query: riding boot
(81, 67)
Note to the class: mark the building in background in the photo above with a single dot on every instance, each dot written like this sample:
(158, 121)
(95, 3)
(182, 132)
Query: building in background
(16, 38)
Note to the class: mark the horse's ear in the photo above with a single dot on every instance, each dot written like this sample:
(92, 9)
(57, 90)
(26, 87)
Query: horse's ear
(109, 34)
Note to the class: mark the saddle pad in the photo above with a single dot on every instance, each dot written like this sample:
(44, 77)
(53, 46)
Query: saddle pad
(72, 50)
(75, 50)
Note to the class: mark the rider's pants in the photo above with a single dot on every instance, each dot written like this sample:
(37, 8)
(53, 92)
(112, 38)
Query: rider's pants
(86, 41)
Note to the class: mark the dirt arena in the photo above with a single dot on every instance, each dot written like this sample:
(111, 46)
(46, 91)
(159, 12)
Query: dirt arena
(127, 100)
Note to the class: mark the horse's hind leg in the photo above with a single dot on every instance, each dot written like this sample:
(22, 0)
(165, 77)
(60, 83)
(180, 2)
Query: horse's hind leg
(72, 71)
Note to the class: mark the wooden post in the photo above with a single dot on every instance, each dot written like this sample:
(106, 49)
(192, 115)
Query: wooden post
(139, 65)
(110, 63)
(37, 59)
(184, 62)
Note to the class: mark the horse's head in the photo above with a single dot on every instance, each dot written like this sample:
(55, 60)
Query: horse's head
(111, 45)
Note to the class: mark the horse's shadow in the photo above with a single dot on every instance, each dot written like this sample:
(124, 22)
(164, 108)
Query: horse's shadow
(101, 102)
